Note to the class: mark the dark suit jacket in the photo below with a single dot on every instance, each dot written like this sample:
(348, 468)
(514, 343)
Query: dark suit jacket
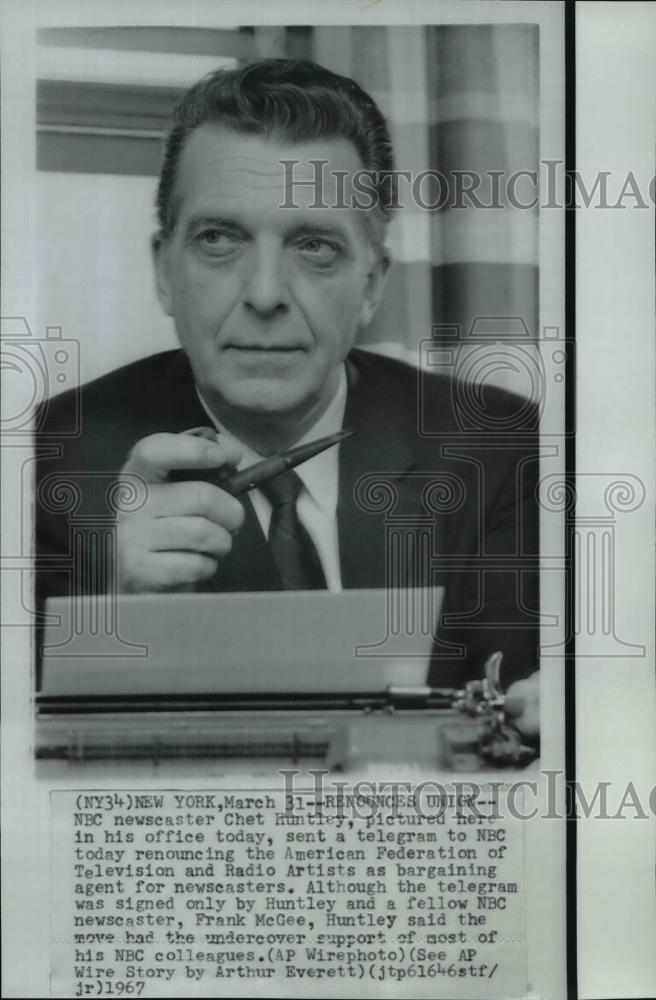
(436, 486)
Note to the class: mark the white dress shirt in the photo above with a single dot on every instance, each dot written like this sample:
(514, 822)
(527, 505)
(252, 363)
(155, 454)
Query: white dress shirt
(317, 501)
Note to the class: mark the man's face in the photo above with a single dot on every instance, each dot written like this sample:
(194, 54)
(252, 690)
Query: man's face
(266, 300)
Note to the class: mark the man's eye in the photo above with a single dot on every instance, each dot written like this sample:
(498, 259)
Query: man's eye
(319, 250)
(216, 241)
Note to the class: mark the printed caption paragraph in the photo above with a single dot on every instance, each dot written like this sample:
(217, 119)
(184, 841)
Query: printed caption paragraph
(279, 892)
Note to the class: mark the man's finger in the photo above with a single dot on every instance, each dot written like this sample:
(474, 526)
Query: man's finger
(186, 534)
(154, 457)
(171, 570)
(196, 500)
(522, 705)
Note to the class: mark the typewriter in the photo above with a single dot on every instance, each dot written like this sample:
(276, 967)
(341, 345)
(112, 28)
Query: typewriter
(331, 678)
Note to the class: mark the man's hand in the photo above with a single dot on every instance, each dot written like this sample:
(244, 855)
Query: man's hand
(522, 705)
(182, 531)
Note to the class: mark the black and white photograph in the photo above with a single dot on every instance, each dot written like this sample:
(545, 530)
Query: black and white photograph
(406, 385)
(319, 593)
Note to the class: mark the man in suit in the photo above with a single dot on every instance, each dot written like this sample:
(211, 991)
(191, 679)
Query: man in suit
(268, 278)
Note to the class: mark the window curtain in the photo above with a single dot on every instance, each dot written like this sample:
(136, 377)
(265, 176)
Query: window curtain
(459, 98)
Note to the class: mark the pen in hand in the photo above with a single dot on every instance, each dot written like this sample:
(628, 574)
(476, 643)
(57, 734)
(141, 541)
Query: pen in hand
(259, 473)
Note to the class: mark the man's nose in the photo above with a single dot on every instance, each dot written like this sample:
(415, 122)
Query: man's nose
(265, 289)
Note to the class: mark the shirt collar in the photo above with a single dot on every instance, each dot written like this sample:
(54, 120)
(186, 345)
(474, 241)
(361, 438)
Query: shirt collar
(320, 474)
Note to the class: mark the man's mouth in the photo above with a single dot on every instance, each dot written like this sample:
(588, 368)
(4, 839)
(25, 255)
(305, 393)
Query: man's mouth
(265, 350)
(262, 348)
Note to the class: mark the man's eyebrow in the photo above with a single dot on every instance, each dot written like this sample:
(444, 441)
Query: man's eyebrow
(207, 219)
(318, 228)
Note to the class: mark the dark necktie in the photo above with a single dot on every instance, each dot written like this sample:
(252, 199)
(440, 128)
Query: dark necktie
(293, 551)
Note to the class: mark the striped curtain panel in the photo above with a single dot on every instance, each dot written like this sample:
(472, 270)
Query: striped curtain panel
(483, 88)
(392, 65)
(459, 98)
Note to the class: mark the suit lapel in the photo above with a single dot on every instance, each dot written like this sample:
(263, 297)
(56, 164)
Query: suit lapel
(372, 479)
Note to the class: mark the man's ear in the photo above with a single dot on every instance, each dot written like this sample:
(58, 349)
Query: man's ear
(376, 279)
(161, 266)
